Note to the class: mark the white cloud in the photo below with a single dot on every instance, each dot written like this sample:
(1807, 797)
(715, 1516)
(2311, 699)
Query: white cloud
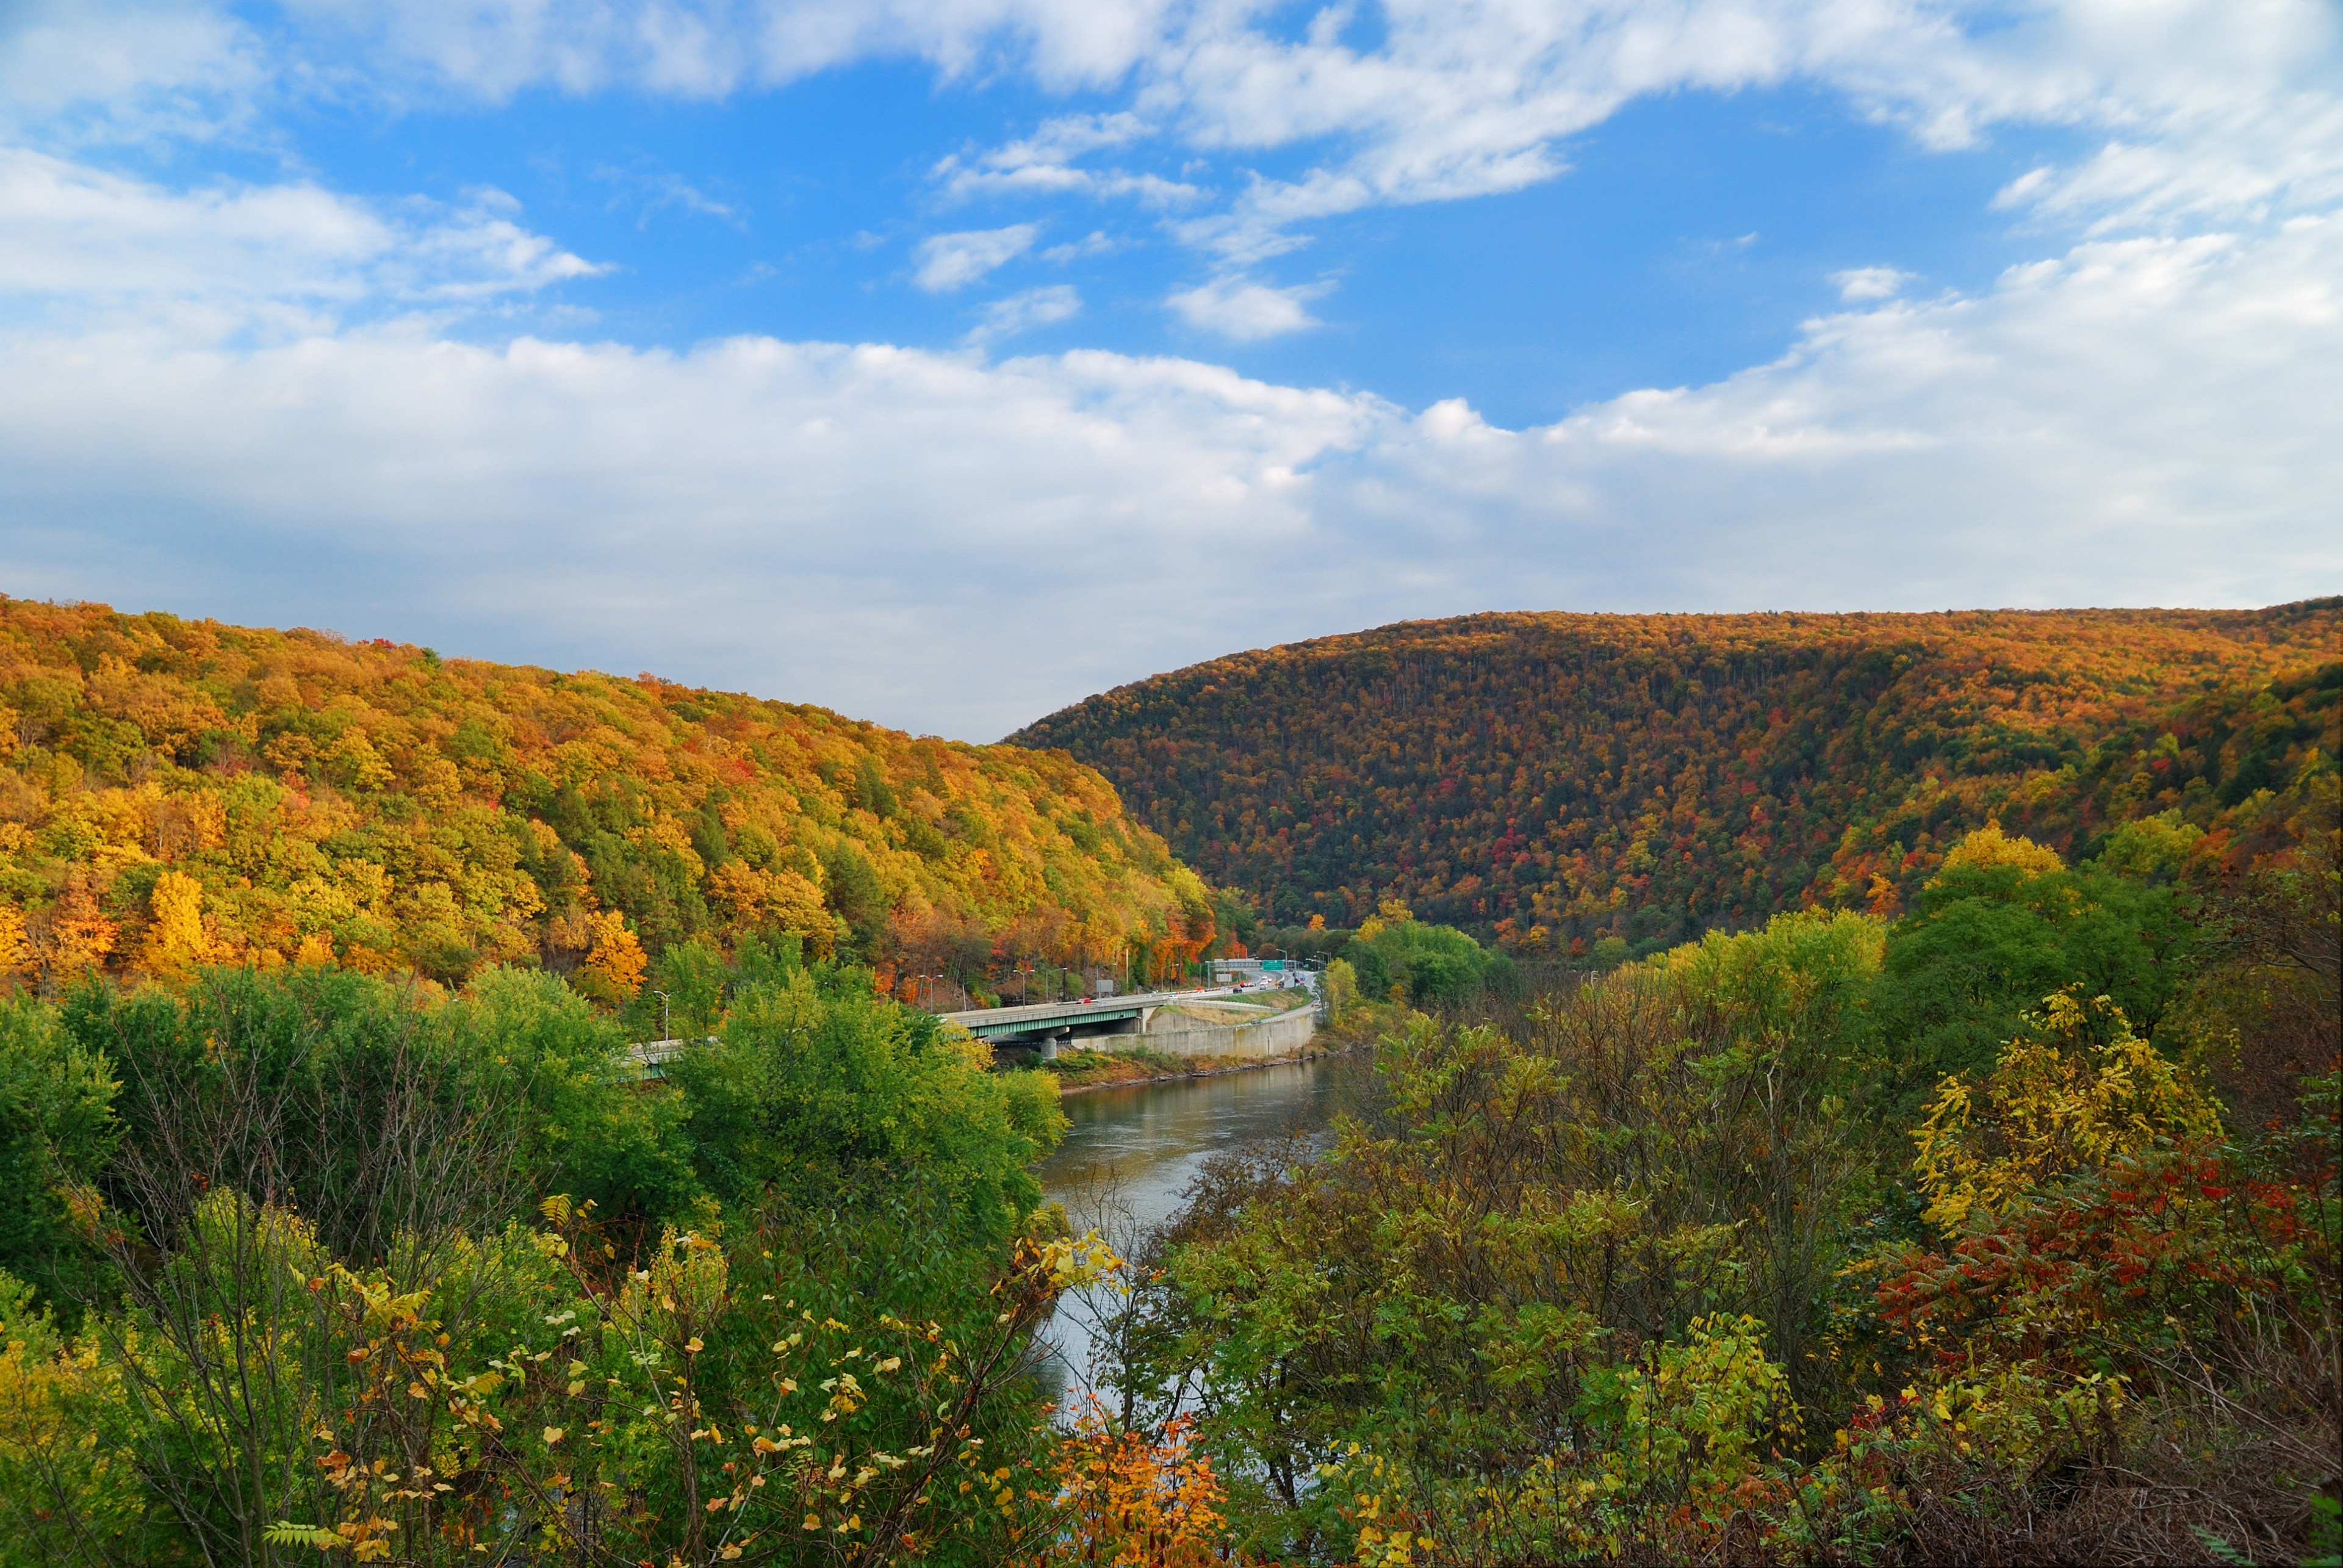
(1023, 312)
(950, 261)
(2199, 112)
(2210, 111)
(871, 527)
(1149, 190)
(1862, 282)
(2235, 106)
(1246, 311)
(649, 189)
(1042, 164)
(709, 48)
(83, 237)
(2250, 162)
(895, 532)
(119, 70)
(232, 388)
(1094, 243)
(1068, 138)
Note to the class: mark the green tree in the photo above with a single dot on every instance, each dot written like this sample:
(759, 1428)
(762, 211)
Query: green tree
(1987, 942)
(593, 1129)
(56, 1114)
(1523, 1223)
(807, 1086)
(1432, 965)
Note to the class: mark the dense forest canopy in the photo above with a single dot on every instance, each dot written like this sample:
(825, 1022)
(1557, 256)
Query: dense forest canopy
(177, 792)
(1564, 779)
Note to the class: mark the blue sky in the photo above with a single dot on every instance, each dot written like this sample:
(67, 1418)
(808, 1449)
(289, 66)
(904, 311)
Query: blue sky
(946, 360)
(1690, 236)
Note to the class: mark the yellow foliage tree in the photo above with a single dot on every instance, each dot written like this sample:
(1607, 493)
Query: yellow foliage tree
(2076, 1092)
(436, 814)
(1342, 983)
(1390, 912)
(175, 942)
(78, 935)
(615, 962)
(765, 900)
(1989, 846)
(14, 950)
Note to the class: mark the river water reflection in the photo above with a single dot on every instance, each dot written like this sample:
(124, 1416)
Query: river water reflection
(1129, 1153)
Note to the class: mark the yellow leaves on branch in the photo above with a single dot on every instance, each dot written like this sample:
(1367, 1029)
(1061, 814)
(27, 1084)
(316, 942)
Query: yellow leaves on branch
(1080, 1262)
(2077, 1090)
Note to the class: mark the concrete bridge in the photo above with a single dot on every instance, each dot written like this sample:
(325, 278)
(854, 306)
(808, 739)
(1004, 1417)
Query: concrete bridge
(1112, 1022)
(1039, 1024)
(1229, 1026)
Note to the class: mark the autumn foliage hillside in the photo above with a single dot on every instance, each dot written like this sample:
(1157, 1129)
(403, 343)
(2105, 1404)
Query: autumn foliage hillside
(1564, 778)
(177, 792)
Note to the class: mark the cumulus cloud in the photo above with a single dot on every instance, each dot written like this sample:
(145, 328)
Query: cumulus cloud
(246, 390)
(2206, 112)
(1042, 164)
(950, 261)
(86, 236)
(1870, 283)
(895, 532)
(118, 70)
(869, 527)
(1023, 312)
(1245, 311)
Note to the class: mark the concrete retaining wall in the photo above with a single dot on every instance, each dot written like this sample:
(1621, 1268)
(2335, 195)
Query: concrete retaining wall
(1270, 1037)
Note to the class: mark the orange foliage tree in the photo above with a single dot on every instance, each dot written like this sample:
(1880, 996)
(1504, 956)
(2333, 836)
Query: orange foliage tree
(1125, 1499)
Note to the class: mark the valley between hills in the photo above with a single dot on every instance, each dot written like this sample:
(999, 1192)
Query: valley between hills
(1817, 1088)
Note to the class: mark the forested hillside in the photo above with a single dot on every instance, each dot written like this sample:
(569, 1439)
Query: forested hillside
(1561, 779)
(175, 792)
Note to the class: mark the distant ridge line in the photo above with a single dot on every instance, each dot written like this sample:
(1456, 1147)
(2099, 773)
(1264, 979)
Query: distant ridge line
(1649, 776)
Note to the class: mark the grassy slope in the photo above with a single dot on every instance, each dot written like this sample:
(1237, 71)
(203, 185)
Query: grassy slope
(407, 812)
(1648, 775)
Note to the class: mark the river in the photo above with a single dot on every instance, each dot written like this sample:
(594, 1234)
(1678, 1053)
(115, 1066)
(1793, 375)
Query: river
(1130, 1153)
